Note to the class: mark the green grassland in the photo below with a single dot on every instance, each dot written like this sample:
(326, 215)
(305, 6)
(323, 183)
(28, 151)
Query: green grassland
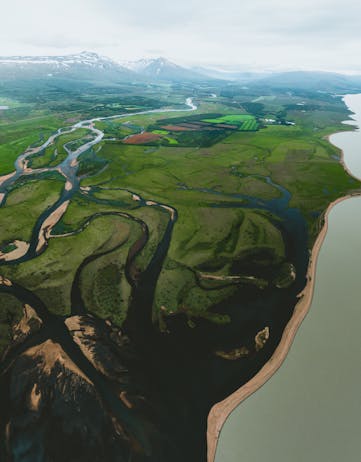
(56, 153)
(206, 174)
(15, 137)
(195, 179)
(23, 206)
(116, 128)
(51, 274)
(36, 110)
(10, 313)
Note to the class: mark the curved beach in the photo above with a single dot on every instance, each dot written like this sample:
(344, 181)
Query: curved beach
(222, 410)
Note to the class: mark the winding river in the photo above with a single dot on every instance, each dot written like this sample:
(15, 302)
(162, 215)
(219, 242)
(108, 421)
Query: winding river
(68, 169)
(143, 286)
(310, 410)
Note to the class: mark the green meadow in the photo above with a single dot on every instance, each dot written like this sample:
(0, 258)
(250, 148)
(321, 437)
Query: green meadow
(206, 173)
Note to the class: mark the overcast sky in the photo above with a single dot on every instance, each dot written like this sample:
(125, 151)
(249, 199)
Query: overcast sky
(252, 34)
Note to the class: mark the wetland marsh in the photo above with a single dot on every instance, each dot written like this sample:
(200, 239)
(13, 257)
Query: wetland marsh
(182, 262)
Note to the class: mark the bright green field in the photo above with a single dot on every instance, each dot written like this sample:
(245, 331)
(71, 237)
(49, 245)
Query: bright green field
(160, 132)
(245, 122)
(236, 119)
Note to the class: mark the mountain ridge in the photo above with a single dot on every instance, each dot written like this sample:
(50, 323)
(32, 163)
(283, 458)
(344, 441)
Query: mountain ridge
(90, 66)
(79, 66)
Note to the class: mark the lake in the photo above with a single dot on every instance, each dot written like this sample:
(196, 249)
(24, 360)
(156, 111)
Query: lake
(310, 410)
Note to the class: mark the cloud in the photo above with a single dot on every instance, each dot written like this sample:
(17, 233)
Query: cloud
(322, 34)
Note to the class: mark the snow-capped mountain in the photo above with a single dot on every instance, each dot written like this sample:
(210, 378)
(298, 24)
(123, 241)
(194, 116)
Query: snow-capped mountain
(85, 66)
(138, 65)
(90, 66)
(162, 69)
(85, 58)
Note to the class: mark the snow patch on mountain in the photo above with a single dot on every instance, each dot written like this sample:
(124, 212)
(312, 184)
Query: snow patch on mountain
(85, 58)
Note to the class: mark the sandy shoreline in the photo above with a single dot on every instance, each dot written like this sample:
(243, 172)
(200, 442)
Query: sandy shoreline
(220, 411)
(48, 225)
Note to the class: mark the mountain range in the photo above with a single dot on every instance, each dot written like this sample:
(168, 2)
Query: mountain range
(89, 66)
(81, 66)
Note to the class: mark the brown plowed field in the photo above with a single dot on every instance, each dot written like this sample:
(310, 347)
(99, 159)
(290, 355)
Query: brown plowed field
(142, 138)
(178, 128)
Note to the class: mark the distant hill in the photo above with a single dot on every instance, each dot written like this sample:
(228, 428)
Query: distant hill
(301, 80)
(312, 81)
(85, 66)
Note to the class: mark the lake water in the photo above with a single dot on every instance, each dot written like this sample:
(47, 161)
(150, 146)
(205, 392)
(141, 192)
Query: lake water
(2, 108)
(310, 410)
